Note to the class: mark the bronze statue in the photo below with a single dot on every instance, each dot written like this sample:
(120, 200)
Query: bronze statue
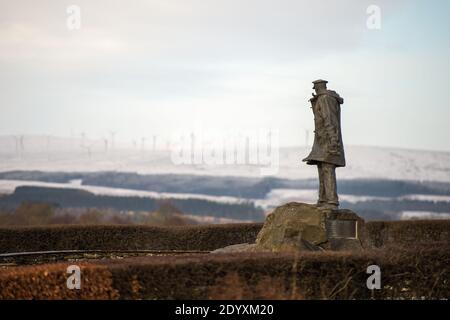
(328, 150)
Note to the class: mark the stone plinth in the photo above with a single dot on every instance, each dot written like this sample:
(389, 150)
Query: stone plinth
(305, 227)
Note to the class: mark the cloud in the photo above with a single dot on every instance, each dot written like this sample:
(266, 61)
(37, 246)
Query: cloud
(184, 30)
(150, 65)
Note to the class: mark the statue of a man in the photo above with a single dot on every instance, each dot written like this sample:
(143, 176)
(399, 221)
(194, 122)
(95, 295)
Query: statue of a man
(328, 150)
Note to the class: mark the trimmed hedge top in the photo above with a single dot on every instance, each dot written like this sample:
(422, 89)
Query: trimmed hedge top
(199, 237)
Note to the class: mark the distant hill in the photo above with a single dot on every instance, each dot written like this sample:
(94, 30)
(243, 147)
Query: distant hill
(73, 198)
(51, 153)
(224, 197)
(380, 183)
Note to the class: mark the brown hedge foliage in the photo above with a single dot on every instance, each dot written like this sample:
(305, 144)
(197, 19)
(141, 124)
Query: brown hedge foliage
(200, 237)
(406, 273)
(382, 233)
(419, 273)
(49, 282)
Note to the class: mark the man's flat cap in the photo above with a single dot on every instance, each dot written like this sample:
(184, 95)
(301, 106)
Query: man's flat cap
(320, 81)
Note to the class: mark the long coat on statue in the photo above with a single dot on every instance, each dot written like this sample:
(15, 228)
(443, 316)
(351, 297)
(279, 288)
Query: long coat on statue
(328, 146)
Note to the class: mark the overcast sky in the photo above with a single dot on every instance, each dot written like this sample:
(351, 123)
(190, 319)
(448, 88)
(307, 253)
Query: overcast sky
(151, 67)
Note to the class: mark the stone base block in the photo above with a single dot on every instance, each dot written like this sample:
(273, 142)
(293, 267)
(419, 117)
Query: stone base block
(305, 227)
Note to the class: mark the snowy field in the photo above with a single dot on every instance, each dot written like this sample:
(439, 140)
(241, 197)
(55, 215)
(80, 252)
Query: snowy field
(48, 153)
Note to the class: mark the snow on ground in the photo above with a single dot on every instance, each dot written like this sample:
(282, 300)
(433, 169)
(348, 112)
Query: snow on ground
(8, 187)
(214, 220)
(425, 197)
(273, 199)
(48, 153)
(408, 215)
(277, 197)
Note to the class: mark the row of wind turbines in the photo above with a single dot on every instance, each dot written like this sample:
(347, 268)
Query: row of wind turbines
(23, 142)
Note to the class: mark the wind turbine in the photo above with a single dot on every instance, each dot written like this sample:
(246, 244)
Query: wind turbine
(143, 140)
(16, 143)
(113, 137)
(84, 146)
(83, 138)
(89, 150)
(105, 144)
(48, 146)
(20, 146)
(154, 142)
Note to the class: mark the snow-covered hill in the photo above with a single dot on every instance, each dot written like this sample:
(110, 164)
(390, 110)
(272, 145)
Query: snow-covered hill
(49, 153)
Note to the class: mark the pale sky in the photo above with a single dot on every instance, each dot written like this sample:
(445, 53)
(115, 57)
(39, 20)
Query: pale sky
(151, 67)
